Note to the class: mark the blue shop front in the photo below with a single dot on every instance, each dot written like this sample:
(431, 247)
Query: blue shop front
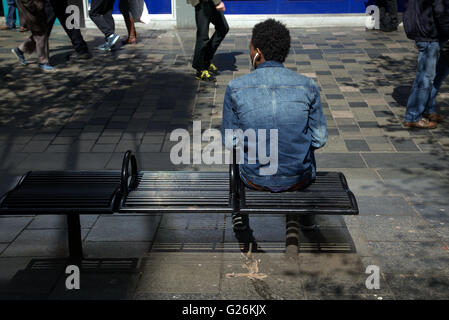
(274, 6)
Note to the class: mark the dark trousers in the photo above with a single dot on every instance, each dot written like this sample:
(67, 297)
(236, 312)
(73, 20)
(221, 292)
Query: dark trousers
(101, 14)
(388, 11)
(205, 48)
(56, 9)
(123, 6)
(11, 15)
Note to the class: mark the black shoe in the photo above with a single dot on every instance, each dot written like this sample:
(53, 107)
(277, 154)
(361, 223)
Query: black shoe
(205, 75)
(79, 56)
(239, 221)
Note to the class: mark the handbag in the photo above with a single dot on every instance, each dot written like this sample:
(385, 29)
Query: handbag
(139, 11)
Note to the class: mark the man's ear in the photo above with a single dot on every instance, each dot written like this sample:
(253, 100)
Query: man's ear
(260, 54)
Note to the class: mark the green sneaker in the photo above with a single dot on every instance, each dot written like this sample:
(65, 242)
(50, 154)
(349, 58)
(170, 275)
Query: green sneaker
(205, 75)
(213, 69)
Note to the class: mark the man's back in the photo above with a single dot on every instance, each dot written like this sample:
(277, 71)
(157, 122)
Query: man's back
(427, 20)
(274, 97)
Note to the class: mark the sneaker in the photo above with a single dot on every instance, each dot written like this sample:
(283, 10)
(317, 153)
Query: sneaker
(111, 41)
(23, 29)
(45, 67)
(421, 124)
(239, 221)
(19, 55)
(103, 47)
(205, 75)
(213, 69)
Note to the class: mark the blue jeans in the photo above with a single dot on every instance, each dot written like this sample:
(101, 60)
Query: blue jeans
(431, 72)
(11, 17)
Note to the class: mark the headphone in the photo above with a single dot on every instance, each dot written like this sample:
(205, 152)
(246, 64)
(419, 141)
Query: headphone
(254, 60)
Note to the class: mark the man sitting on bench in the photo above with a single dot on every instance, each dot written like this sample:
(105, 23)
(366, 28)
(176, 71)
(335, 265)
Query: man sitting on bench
(274, 97)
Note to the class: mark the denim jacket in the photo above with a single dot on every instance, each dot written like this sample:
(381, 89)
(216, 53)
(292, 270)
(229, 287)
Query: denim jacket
(274, 97)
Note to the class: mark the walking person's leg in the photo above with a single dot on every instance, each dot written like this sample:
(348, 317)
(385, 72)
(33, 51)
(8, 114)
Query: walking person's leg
(221, 29)
(442, 71)
(50, 15)
(101, 14)
(203, 12)
(109, 19)
(42, 48)
(422, 85)
(129, 21)
(23, 27)
(80, 46)
(10, 17)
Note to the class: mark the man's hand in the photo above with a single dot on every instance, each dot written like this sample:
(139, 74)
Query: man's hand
(221, 7)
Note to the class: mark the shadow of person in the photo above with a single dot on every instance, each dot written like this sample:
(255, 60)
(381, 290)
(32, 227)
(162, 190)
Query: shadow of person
(227, 61)
(247, 241)
(401, 94)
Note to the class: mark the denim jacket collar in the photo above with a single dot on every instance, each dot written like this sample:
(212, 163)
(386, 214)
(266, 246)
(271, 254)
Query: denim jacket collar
(270, 64)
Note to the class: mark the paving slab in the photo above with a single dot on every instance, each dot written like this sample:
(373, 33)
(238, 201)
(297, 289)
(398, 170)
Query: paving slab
(10, 227)
(121, 228)
(180, 273)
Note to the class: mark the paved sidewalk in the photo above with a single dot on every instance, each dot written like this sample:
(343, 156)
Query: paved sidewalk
(86, 115)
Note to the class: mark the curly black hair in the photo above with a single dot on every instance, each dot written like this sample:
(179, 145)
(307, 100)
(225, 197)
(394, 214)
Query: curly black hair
(273, 39)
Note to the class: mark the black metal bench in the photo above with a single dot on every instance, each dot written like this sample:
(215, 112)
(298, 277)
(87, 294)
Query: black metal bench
(129, 191)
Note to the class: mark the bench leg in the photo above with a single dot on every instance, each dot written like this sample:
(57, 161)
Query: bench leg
(292, 235)
(75, 241)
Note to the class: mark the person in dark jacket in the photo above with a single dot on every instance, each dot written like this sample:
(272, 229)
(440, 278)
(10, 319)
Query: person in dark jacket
(427, 23)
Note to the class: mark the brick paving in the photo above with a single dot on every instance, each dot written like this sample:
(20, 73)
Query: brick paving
(86, 115)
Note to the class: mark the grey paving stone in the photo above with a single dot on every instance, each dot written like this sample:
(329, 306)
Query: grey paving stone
(9, 268)
(416, 182)
(180, 273)
(403, 145)
(356, 145)
(418, 286)
(119, 249)
(36, 146)
(384, 206)
(106, 148)
(3, 247)
(410, 257)
(404, 160)
(407, 228)
(65, 161)
(10, 228)
(40, 243)
(339, 160)
(124, 228)
(59, 221)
